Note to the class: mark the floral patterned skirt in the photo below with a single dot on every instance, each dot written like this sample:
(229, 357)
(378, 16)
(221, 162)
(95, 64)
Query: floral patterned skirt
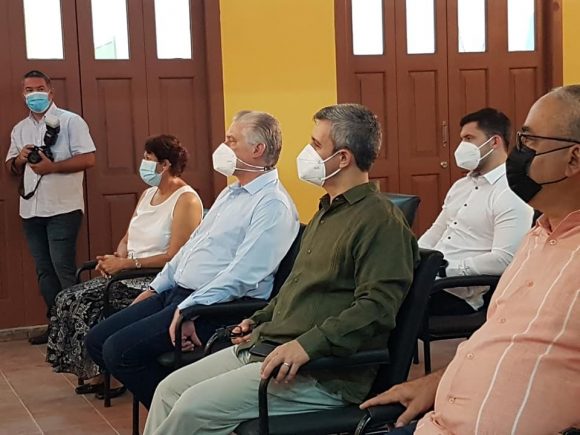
(77, 309)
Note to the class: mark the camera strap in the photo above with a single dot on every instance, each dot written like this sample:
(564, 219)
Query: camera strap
(29, 194)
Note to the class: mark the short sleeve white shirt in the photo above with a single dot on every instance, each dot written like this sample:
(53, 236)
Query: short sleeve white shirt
(56, 193)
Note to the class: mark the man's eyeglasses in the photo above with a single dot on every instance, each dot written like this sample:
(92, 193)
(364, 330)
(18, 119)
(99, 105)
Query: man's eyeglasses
(523, 140)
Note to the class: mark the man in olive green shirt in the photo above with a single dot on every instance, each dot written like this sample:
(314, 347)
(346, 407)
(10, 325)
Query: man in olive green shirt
(353, 270)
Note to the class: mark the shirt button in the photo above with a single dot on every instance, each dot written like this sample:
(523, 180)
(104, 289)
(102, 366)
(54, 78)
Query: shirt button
(322, 221)
(464, 205)
(552, 242)
(309, 251)
(448, 237)
(530, 283)
(469, 355)
(502, 320)
(451, 399)
(476, 187)
(295, 279)
(454, 223)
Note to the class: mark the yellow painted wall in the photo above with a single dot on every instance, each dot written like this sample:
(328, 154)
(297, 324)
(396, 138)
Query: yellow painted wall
(571, 18)
(279, 56)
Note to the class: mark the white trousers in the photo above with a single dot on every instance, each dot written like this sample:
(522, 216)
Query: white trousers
(217, 393)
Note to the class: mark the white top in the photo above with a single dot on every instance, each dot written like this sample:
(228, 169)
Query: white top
(150, 228)
(57, 193)
(479, 229)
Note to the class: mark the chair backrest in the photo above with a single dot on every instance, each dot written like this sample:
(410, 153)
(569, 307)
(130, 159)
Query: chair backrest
(409, 321)
(287, 262)
(408, 204)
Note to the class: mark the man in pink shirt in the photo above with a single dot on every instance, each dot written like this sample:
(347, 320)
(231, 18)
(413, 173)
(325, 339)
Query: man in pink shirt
(520, 372)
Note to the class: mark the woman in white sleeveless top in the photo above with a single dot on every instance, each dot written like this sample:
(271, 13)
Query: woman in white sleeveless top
(166, 215)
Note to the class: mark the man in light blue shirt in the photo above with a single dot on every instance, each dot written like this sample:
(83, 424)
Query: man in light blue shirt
(233, 253)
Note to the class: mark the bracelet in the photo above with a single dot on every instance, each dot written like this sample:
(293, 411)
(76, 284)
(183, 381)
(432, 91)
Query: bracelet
(137, 264)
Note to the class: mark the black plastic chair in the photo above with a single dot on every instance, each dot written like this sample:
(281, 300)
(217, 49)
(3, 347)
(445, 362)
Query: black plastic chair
(455, 325)
(394, 360)
(408, 204)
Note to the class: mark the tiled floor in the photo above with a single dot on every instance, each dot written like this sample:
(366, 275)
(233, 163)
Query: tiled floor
(34, 400)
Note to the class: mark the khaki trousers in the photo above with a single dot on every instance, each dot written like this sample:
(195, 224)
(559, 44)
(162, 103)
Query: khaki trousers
(217, 393)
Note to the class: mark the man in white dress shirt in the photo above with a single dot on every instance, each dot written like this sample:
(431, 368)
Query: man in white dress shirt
(50, 149)
(482, 221)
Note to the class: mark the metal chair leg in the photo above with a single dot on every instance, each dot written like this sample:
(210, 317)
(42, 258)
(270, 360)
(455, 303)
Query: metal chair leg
(427, 355)
(107, 389)
(135, 416)
(416, 354)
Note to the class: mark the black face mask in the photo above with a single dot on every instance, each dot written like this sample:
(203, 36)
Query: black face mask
(517, 168)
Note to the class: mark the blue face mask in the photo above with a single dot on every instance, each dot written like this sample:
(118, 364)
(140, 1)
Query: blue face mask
(38, 102)
(148, 173)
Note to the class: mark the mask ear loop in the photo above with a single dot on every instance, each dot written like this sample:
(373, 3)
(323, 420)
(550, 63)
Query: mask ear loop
(482, 145)
(335, 172)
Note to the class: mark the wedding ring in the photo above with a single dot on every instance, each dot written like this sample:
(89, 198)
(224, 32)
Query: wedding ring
(287, 365)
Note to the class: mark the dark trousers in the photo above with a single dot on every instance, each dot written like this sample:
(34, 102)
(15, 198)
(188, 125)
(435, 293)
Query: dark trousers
(52, 242)
(128, 343)
(445, 304)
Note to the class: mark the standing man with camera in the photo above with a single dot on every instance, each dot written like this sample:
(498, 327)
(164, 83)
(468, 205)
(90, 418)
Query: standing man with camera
(49, 150)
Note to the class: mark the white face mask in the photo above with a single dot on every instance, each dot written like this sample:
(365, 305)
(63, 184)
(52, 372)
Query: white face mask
(467, 155)
(224, 161)
(311, 166)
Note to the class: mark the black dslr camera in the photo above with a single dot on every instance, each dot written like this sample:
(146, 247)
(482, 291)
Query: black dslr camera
(50, 137)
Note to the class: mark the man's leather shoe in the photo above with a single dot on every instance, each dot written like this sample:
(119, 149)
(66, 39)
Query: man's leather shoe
(113, 392)
(89, 388)
(39, 339)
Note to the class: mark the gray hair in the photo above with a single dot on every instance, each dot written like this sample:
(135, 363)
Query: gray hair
(356, 128)
(570, 95)
(261, 127)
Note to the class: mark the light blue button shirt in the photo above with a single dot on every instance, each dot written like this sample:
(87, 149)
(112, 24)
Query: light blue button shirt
(237, 248)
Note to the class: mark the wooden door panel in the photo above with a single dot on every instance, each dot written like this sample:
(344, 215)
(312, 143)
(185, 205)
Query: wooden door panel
(370, 80)
(178, 100)
(422, 117)
(20, 300)
(115, 107)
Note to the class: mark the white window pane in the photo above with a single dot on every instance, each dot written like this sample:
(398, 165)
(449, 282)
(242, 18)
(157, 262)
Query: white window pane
(43, 29)
(420, 26)
(521, 25)
(173, 29)
(110, 29)
(471, 26)
(367, 26)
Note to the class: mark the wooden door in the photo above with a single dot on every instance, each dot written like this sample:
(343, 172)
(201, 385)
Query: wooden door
(423, 114)
(371, 80)
(178, 97)
(20, 301)
(421, 96)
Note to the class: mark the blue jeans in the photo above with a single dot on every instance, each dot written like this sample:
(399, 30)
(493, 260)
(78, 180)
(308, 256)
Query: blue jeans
(52, 242)
(128, 343)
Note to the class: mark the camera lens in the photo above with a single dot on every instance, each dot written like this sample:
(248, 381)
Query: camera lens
(34, 157)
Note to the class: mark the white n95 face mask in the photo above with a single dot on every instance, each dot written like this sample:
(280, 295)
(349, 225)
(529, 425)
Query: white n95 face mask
(311, 166)
(224, 161)
(467, 155)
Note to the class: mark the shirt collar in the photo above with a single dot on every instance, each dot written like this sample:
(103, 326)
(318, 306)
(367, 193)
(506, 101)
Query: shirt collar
(569, 222)
(51, 111)
(353, 195)
(492, 176)
(258, 184)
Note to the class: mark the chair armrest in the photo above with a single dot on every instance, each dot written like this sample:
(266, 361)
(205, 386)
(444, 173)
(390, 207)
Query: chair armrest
(385, 413)
(464, 281)
(238, 307)
(125, 274)
(370, 357)
(365, 358)
(88, 265)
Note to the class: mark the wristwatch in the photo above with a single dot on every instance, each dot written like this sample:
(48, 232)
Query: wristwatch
(137, 264)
